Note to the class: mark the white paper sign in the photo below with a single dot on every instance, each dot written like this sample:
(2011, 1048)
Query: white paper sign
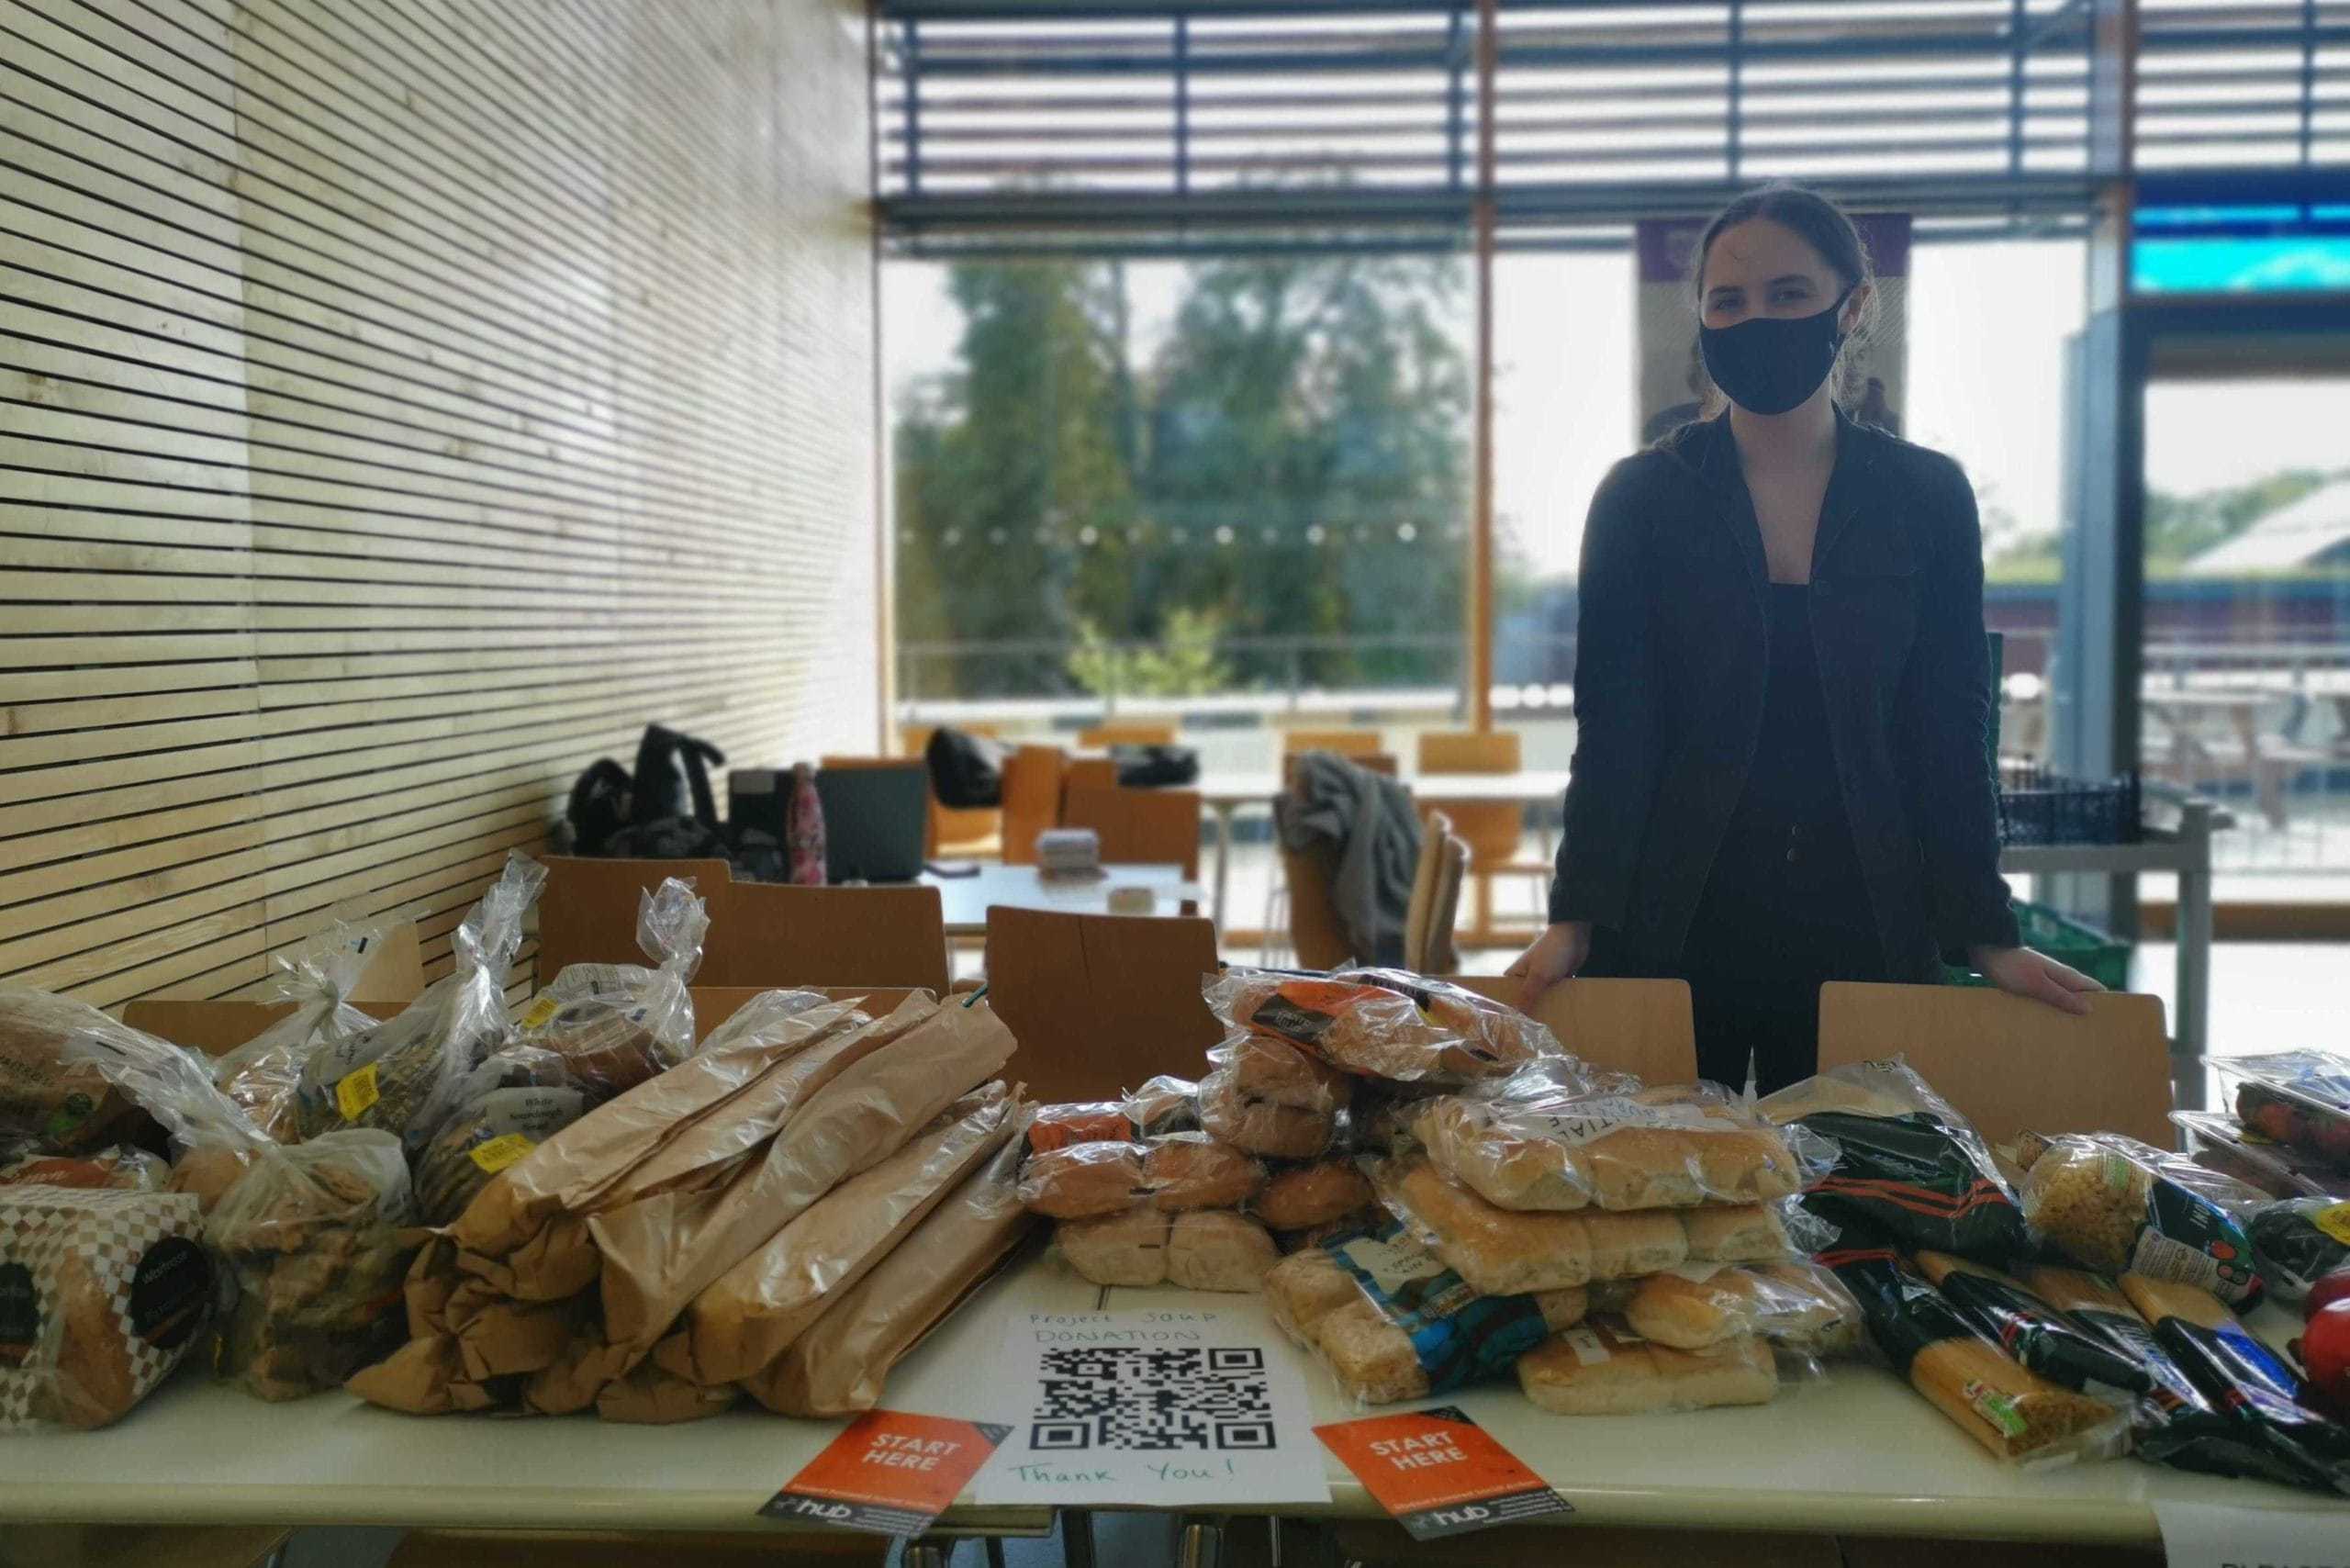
(1179, 1409)
(2215, 1535)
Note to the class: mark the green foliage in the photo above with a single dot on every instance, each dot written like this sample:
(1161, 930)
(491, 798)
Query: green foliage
(1183, 664)
(2177, 528)
(1293, 464)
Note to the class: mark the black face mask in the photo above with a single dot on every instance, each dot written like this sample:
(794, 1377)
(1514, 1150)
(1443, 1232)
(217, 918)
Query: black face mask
(1769, 363)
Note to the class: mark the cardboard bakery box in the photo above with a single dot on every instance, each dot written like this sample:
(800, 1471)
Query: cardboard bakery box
(393, 979)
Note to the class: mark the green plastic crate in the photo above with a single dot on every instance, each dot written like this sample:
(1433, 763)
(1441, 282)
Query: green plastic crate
(2085, 947)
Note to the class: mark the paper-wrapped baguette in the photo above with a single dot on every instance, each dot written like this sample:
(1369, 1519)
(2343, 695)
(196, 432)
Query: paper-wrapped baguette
(840, 1365)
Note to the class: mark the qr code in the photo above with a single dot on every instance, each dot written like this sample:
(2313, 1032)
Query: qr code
(1149, 1400)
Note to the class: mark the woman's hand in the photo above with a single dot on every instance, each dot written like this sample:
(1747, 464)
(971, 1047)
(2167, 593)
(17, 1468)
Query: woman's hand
(1556, 955)
(2020, 971)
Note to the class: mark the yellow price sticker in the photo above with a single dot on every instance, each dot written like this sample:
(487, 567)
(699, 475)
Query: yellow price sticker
(501, 1152)
(356, 1092)
(540, 1012)
(2334, 1222)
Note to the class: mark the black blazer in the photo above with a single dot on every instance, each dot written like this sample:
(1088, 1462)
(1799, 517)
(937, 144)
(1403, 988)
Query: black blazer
(1671, 655)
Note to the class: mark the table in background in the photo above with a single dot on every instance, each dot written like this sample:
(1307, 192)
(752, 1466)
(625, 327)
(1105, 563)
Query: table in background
(1223, 794)
(965, 900)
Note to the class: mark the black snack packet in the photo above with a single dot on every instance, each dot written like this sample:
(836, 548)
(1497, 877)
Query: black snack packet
(2033, 1332)
(1910, 1169)
(2174, 1425)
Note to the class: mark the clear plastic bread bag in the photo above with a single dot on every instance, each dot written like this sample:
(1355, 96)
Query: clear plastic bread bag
(310, 1235)
(1525, 1143)
(1906, 1165)
(516, 1100)
(265, 1074)
(1391, 1322)
(1382, 1023)
(2115, 1206)
(620, 1025)
(1796, 1305)
(402, 1074)
(1272, 1098)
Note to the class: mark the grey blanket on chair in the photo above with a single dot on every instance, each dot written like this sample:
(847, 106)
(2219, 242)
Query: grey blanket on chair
(1364, 825)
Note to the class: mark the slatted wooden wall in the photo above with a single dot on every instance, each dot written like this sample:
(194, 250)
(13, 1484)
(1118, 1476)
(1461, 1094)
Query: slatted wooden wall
(401, 401)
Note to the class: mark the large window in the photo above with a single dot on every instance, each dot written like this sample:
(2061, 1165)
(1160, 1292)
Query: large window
(1130, 484)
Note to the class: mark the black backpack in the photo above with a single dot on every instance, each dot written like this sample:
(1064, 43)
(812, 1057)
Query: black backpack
(1154, 767)
(966, 770)
(610, 813)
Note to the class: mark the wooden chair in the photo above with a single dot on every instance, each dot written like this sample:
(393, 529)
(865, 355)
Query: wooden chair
(1436, 828)
(588, 908)
(1642, 1027)
(761, 934)
(957, 833)
(1099, 1003)
(1139, 825)
(1314, 928)
(1346, 742)
(1110, 734)
(1089, 773)
(2014, 1066)
(766, 935)
(1493, 831)
(1031, 798)
(1433, 953)
(1314, 939)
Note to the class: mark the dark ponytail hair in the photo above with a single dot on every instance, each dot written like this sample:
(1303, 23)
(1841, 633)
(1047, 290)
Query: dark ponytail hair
(1823, 225)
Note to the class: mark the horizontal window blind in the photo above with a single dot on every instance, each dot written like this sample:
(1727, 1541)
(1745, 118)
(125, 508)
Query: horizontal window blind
(1252, 123)
(401, 402)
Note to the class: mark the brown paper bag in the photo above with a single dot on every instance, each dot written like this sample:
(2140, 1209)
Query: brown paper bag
(505, 1338)
(838, 1365)
(661, 1253)
(589, 1160)
(649, 1397)
(751, 1312)
(414, 1379)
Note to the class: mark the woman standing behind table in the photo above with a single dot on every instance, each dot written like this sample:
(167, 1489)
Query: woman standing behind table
(1781, 686)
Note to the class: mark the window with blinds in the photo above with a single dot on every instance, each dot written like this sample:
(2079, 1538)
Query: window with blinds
(401, 402)
(1148, 127)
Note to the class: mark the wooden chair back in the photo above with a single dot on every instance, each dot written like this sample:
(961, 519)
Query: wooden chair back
(1420, 909)
(1123, 734)
(1492, 830)
(1139, 826)
(1444, 910)
(766, 935)
(2013, 1066)
(588, 908)
(1641, 1026)
(1089, 773)
(1099, 1003)
(1313, 931)
(1031, 799)
(1469, 751)
(1346, 742)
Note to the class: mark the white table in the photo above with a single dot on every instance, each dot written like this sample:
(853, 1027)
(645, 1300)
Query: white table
(1858, 1454)
(965, 900)
(1223, 795)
